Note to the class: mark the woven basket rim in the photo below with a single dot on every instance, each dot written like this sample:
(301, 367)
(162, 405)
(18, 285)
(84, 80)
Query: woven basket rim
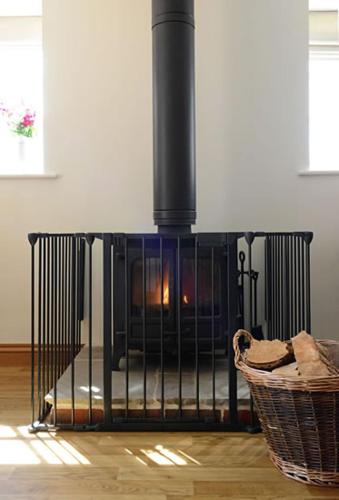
(261, 377)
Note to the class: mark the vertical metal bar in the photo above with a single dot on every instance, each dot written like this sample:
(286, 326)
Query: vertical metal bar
(275, 287)
(267, 311)
(295, 282)
(32, 240)
(250, 239)
(283, 287)
(64, 289)
(162, 368)
(308, 288)
(272, 280)
(49, 347)
(279, 288)
(213, 330)
(144, 340)
(280, 280)
(77, 264)
(295, 289)
(48, 326)
(242, 259)
(107, 326)
(53, 326)
(290, 256)
(196, 327)
(77, 294)
(250, 289)
(73, 321)
(126, 330)
(90, 240)
(255, 299)
(64, 304)
(269, 289)
(178, 283)
(69, 301)
(56, 326)
(80, 288)
(43, 325)
(59, 306)
(291, 286)
(299, 286)
(287, 289)
(82, 281)
(276, 277)
(52, 317)
(232, 304)
(283, 270)
(66, 300)
(303, 308)
(39, 326)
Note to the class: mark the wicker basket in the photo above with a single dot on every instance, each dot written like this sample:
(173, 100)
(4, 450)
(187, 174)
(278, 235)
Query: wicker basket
(300, 419)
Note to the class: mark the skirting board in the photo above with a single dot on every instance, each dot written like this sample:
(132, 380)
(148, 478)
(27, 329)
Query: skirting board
(15, 354)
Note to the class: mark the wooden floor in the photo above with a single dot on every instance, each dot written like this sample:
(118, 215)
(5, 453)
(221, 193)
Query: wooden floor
(74, 466)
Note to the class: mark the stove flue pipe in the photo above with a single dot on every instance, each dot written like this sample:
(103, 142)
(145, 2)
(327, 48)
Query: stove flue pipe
(174, 115)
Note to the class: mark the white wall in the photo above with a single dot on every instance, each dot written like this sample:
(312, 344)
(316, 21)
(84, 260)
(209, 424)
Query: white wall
(251, 137)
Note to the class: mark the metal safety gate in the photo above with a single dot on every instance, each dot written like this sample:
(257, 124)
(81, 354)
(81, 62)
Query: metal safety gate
(134, 332)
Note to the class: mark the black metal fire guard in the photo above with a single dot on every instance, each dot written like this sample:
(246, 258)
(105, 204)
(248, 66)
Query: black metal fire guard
(134, 332)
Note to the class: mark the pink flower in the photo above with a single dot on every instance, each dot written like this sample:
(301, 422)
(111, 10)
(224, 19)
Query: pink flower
(28, 119)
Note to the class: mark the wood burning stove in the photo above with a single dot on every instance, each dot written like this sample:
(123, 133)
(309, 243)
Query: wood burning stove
(179, 281)
(175, 278)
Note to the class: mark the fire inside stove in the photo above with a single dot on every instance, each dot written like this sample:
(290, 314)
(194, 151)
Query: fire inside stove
(159, 289)
(154, 295)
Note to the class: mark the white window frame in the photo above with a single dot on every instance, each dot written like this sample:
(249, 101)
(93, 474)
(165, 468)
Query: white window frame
(17, 11)
(329, 47)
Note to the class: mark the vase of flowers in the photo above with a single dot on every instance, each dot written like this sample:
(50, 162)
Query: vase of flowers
(22, 125)
(20, 122)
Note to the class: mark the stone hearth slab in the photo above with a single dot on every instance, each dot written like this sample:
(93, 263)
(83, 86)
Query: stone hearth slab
(153, 383)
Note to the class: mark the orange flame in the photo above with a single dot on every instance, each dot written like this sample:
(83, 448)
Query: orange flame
(185, 299)
(166, 293)
(154, 297)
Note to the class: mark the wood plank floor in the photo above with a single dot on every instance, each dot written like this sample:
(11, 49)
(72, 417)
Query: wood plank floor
(177, 466)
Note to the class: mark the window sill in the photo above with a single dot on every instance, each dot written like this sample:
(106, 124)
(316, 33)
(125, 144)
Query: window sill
(307, 173)
(29, 176)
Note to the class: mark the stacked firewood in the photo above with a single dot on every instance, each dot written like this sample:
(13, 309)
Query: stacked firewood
(302, 356)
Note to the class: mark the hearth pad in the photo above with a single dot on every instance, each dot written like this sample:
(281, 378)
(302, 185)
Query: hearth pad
(153, 387)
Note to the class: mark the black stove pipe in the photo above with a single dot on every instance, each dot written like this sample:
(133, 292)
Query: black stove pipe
(174, 115)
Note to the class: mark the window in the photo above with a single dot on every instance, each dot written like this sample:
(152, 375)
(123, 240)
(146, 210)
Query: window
(21, 141)
(324, 85)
